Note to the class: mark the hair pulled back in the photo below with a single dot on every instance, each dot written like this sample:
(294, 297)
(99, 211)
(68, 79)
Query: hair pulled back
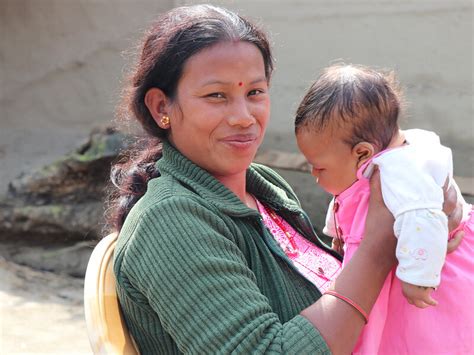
(175, 37)
(366, 101)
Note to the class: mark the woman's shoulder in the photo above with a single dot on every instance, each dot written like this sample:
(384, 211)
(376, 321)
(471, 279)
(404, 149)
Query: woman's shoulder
(164, 200)
(161, 191)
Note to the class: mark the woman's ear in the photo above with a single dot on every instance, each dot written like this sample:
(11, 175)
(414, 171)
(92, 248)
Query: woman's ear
(159, 106)
(363, 151)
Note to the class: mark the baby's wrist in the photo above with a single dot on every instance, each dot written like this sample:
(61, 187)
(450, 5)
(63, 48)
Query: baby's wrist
(418, 284)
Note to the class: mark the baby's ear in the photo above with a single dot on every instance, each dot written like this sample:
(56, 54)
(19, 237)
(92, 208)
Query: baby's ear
(362, 152)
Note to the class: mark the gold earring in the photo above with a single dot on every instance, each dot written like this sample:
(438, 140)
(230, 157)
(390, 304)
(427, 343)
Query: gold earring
(165, 120)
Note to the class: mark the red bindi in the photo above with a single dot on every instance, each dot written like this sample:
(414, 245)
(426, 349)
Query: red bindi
(241, 83)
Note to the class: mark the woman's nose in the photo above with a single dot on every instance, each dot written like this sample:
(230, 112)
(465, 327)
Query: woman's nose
(241, 114)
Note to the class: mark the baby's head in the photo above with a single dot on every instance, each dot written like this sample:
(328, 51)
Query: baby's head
(349, 114)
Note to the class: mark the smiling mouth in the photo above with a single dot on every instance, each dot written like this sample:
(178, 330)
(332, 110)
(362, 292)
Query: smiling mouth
(240, 140)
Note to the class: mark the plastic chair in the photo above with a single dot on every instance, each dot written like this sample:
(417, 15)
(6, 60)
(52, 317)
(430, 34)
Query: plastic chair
(106, 328)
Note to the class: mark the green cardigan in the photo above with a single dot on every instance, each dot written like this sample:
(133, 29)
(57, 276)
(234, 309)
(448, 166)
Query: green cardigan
(198, 272)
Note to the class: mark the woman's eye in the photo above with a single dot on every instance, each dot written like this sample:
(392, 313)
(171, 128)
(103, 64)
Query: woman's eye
(216, 95)
(256, 92)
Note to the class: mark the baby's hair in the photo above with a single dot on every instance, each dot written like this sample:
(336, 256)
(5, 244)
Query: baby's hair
(365, 100)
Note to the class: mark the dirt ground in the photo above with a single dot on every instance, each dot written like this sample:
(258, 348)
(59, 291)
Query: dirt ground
(40, 312)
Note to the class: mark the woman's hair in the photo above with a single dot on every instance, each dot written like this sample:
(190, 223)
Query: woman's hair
(365, 101)
(175, 37)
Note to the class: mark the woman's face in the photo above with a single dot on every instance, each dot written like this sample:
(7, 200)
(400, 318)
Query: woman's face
(221, 109)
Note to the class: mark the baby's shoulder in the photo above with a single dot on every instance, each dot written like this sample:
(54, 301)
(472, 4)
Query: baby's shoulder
(417, 136)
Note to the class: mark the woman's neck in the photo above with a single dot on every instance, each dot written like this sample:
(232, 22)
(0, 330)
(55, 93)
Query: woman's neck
(237, 184)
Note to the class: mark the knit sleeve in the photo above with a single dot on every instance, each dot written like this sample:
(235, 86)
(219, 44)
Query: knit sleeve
(182, 257)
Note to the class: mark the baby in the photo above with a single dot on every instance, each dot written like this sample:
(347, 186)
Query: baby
(346, 124)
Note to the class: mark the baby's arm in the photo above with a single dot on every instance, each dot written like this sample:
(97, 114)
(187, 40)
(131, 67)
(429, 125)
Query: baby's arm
(411, 187)
(421, 250)
(329, 229)
(329, 226)
(420, 296)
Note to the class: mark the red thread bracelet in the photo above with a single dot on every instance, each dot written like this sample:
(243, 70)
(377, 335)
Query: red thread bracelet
(350, 302)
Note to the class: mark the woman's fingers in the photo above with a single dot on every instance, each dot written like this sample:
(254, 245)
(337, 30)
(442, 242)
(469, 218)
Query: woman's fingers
(379, 218)
(452, 206)
(376, 187)
(454, 242)
(450, 198)
(455, 218)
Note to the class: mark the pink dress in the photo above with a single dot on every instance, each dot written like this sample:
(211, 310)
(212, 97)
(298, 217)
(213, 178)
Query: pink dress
(395, 326)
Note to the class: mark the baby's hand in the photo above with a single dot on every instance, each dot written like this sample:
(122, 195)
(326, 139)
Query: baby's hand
(418, 296)
(337, 244)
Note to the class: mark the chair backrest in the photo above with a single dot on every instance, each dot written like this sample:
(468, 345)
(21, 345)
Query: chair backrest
(106, 328)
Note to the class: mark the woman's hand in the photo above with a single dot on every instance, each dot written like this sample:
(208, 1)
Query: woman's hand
(452, 206)
(361, 279)
(379, 219)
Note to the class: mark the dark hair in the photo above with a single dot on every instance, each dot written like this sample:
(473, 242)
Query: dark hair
(365, 100)
(176, 36)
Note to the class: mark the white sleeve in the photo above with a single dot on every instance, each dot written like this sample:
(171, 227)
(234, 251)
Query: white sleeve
(412, 178)
(329, 227)
(406, 183)
(421, 247)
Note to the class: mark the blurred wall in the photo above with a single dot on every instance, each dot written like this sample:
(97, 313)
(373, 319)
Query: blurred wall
(61, 66)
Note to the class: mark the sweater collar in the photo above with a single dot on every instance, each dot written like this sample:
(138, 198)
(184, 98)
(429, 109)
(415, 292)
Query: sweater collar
(212, 190)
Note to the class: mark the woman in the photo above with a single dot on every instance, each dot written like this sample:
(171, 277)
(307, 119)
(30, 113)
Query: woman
(198, 270)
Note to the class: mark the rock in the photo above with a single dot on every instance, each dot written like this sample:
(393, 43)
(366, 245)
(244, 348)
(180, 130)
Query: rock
(60, 258)
(64, 200)
(51, 221)
(78, 176)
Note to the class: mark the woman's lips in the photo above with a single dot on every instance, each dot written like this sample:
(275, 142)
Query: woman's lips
(240, 141)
